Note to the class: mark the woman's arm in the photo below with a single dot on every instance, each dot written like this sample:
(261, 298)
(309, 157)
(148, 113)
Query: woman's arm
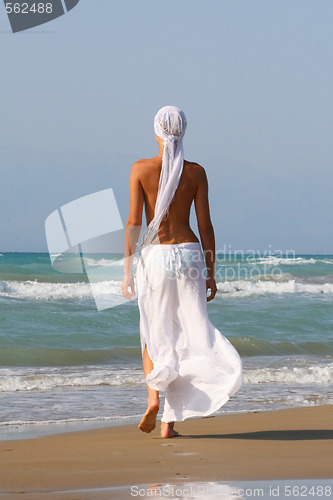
(132, 230)
(206, 231)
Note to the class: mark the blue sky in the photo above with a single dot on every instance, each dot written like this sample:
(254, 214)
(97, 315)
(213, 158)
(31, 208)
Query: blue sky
(254, 77)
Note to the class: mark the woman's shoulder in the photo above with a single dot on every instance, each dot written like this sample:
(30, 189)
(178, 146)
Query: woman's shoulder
(195, 169)
(148, 166)
(145, 164)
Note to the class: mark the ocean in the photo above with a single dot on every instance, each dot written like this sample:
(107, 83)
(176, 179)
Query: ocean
(64, 365)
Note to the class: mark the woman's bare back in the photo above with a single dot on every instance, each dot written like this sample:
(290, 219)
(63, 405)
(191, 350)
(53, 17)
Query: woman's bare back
(176, 227)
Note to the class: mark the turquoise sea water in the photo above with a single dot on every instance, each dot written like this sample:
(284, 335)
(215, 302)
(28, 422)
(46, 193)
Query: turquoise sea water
(64, 362)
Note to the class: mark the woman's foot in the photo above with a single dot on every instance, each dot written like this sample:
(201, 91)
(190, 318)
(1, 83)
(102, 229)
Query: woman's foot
(148, 422)
(167, 430)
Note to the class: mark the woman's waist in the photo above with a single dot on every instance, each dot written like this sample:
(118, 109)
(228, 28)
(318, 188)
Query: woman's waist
(182, 244)
(192, 248)
(175, 233)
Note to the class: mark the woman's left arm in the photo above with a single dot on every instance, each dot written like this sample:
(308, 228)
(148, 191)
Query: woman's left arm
(132, 230)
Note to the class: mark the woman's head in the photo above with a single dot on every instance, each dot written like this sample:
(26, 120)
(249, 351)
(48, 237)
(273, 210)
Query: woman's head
(170, 124)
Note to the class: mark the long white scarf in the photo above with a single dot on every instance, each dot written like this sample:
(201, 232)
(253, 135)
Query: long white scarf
(170, 125)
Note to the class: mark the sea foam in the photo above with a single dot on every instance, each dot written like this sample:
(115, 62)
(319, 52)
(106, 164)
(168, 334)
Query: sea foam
(44, 291)
(44, 380)
(239, 288)
(12, 380)
(285, 375)
(244, 288)
(271, 260)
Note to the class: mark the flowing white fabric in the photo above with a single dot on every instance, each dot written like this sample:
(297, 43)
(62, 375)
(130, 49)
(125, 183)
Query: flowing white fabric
(170, 125)
(193, 362)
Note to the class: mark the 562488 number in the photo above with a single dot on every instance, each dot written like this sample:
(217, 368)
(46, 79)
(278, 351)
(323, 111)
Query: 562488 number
(35, 8)
(316, 491)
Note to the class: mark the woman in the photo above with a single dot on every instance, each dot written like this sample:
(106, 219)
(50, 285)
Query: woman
(183, 353)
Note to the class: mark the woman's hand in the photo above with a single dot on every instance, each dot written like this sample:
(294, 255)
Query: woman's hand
(211, 285)
(128, 281)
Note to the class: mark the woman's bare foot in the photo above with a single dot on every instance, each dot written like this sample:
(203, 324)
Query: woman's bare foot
(167, 430)
(148, 421)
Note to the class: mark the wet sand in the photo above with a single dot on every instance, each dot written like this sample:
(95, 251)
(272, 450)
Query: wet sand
(290, 443)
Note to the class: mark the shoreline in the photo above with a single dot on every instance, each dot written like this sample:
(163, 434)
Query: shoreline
(266, 445)
(46, 429)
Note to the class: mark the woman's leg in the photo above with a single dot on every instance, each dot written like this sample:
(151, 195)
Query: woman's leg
(148, 421)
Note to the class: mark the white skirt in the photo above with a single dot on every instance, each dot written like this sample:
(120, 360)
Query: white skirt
(196, 366)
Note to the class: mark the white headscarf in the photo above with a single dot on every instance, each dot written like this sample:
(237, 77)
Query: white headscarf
(170, 125)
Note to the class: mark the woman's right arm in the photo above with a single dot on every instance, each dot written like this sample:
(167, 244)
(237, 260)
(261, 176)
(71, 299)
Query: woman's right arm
(206, 230)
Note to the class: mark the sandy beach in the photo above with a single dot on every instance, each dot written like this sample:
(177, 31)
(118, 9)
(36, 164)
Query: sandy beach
(289, 443)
